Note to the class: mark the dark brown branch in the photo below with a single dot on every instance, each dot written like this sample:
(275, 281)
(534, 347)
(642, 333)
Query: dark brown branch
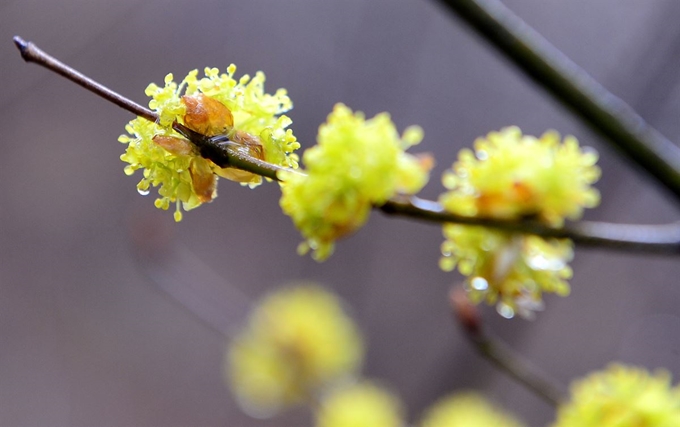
(660, 239)
(32, 53)
(221, 154)
(646, 238)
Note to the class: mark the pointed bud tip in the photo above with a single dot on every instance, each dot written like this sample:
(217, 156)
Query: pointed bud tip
(22, 45)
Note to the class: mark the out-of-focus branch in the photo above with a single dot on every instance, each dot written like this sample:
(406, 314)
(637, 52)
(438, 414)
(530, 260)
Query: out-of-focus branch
(574, 88)
(497, 352)
(646, 238)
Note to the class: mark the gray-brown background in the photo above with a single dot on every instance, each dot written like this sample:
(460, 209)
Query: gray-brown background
(90, 337)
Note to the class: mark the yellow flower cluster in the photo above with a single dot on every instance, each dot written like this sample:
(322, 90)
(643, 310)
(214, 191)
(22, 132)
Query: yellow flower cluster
(298, 341)
(467, 410)
(362, 404)
(216, 104)
(513, 176)
(161, 168)
(356, 164)
(300, 346)
(622, 396)
(510, 271)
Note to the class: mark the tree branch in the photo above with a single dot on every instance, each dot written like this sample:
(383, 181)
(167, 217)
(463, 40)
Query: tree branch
(574, 88)
(221, 154)
(497, 352)
(659, 239)
(646, 238)
(32, 53)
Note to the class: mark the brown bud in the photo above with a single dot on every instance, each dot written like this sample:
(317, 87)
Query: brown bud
(250, 143)
(203, 179)
(176, 146)
(207, 115)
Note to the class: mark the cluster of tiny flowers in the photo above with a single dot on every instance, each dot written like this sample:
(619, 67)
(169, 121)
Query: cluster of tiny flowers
(622, 396)
(356, 164)
(216, 104)
(509, 271)
(466, 409)
(299, 341)
(510, 176)
(362, 404)
(513, 176)
(300, 346)
(169, 172)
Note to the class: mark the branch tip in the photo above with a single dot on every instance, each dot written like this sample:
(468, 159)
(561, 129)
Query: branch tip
(23, 46)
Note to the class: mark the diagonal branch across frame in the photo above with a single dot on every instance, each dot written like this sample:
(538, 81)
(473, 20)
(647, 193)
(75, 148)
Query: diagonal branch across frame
(664, 239)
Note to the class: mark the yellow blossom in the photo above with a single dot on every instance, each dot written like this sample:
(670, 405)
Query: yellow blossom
(216, 104)
(360, 405)
(622, 396)
(297, 342)
(357, 163)
(512, 176)
(510, 271)
(466, 410)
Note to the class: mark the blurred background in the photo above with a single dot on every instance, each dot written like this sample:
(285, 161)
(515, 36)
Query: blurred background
(113, 315)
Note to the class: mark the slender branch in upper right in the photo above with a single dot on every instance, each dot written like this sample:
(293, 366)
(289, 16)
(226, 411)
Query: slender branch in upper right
(574, 88)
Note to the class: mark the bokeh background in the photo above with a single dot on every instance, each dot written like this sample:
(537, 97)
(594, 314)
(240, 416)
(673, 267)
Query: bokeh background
(113, 315)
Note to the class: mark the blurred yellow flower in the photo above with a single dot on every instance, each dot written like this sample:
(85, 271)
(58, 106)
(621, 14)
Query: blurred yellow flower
(467, 409)
(360, 405)
(298, 341)
(357, 163)
(622, 396)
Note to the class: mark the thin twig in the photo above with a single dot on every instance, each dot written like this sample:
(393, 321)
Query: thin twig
(658, 239)
(222, 155)
(32, 53)
(574, 88)
(511, 363)
(645, 238)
